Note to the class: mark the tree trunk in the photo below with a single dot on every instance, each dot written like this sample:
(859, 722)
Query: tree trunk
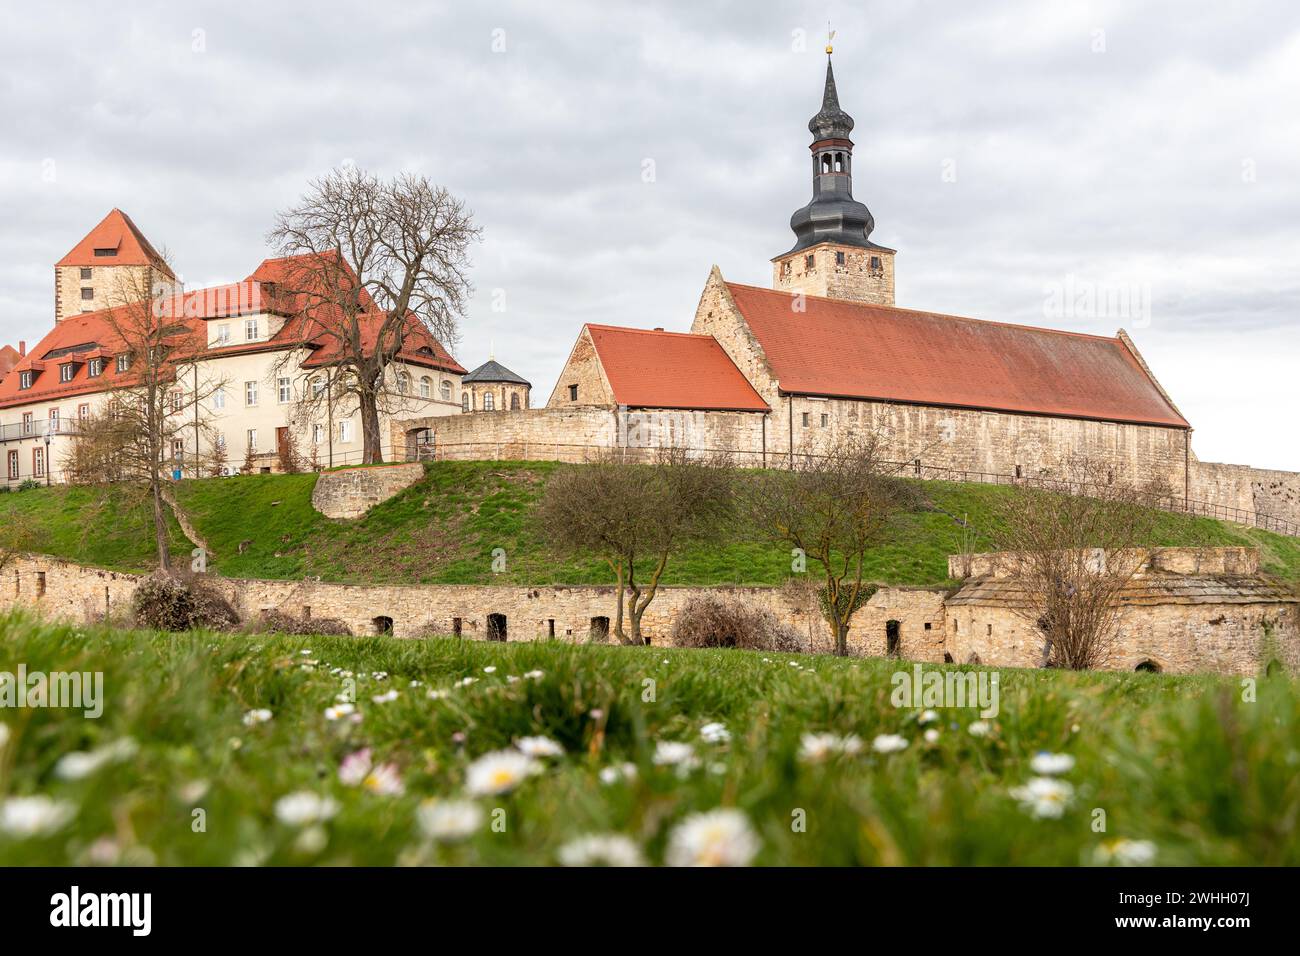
(634, 619)
(160, 525)
(618, 617)
(372, 448)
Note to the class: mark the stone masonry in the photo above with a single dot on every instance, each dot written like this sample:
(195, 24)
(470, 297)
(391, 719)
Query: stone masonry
(352, 492)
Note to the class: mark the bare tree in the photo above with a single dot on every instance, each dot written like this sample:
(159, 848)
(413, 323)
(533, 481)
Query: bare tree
(17, 536)
(153, 391)
(832, 508)
(372, 267)
(635, 517)
(1073, 546)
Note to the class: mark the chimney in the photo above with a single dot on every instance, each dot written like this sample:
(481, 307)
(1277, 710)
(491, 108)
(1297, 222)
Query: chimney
(659, 328)
(22, 348)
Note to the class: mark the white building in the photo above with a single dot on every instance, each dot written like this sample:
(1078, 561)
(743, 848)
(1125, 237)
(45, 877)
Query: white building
(249, 364)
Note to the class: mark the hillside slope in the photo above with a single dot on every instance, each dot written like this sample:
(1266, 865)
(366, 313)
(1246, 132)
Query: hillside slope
(444, 529)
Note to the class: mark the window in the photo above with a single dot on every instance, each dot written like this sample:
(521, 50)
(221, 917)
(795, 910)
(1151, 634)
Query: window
(573, 393)
(13, 464)
(808, 263)
(806, 418)
(252, 439)
(444, 389)
(66, 371)
(317, 386)
(489, 402)
(514, 402)
(317, 434)
(250, 329)
(839, 258)
(83, 412)
(27, 423)
(785, 268)
(178, 448)
(220, 442)
(426, 387)
(124, 361)
(464, 401)
(178, 401)
(345, 431)
(38, 462)
(85, 273)
(284, 390)
(87, 293)
(250, 393)
(25, 379)
(219, 399)
(826, 419)
(223, 334)
(403, 383)
(875, 262)
(105, 253)
(54, 420)
(95, 367)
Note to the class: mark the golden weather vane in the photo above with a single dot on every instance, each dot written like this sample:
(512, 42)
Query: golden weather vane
(830, 35)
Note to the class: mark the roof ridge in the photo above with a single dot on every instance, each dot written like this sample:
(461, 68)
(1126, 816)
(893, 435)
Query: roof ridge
(1114, 339)
(628, 328)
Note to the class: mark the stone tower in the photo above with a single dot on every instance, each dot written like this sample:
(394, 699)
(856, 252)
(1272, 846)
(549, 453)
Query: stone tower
(833, 254)
(112, 263)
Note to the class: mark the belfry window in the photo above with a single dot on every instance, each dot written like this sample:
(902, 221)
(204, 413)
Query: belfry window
(839, 162)
(826, 162)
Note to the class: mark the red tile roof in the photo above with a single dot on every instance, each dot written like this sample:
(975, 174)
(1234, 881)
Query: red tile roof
(854, 350)
(671, 370)
(9, 357)
(92, 334)
(118, 233)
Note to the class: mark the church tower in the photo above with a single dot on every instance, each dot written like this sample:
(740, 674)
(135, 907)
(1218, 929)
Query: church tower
(113, 263)
(833, 254)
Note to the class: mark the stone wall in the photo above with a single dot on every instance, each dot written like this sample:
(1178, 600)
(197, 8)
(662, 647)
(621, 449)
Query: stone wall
(854, 279)
(352, 492)
(1258, 490)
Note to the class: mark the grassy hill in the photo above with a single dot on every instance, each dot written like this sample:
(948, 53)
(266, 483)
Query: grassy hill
(233, 725)
(444, 528)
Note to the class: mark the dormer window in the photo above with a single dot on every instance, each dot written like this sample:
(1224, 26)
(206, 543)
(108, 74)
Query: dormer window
(25, 379)
(250, 330)
(223, 334)
(95, 367)
(66, 371)
(105, 253)
(124, 361)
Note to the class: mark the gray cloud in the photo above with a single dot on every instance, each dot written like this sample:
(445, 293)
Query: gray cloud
(1165, 163)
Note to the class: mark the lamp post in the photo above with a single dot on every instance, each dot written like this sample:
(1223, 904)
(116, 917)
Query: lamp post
(47, 456)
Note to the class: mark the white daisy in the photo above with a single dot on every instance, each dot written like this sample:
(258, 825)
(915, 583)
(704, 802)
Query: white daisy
(466, 681)
(721, 837)
(339, 711)
(715, 733)
(616, 772)
(927, 717)
(889, 743)
(979, 728)
(1124, 852)
(354, 768)
(260, 716)
(384, 781)
(385, 698)
(534, 675)
(814, 748)
(311, 840)
(672, 753)
(34, 816)
(1044, 797)
(448, 819)
(1047, 764)
(539, 747)
(499, 772)
(82, 763)
(490, 669)
(436, 694)
(931, 736)
(611, 849)
(304, 807)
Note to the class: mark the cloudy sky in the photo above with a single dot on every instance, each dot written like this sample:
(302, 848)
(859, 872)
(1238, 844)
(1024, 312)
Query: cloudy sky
(1084, 165)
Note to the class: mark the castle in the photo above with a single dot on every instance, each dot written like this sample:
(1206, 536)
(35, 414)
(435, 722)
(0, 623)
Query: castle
(770, 373)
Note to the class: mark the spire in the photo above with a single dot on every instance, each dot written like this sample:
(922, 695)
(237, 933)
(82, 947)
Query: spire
(831, 122)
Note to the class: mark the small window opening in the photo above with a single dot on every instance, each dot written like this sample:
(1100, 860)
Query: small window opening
(573, 393)
(892, 641)
(599, 630)
(383, 624)
(455, 627)
(550, 628)
(496, 627)
(1148, 667)
(40, 583)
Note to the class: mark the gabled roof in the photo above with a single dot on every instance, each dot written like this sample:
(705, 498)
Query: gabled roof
(116, 232)
(9, 357)
(494, 371)
(841, 349)
(655, 369)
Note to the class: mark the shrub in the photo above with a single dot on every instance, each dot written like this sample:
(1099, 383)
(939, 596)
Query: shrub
(281, 622)
(711, 621)
(165, 602)
(27, 484)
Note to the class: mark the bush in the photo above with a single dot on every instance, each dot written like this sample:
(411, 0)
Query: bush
(710, 621)
(27, 484)
(165, 602)
(280, 622)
